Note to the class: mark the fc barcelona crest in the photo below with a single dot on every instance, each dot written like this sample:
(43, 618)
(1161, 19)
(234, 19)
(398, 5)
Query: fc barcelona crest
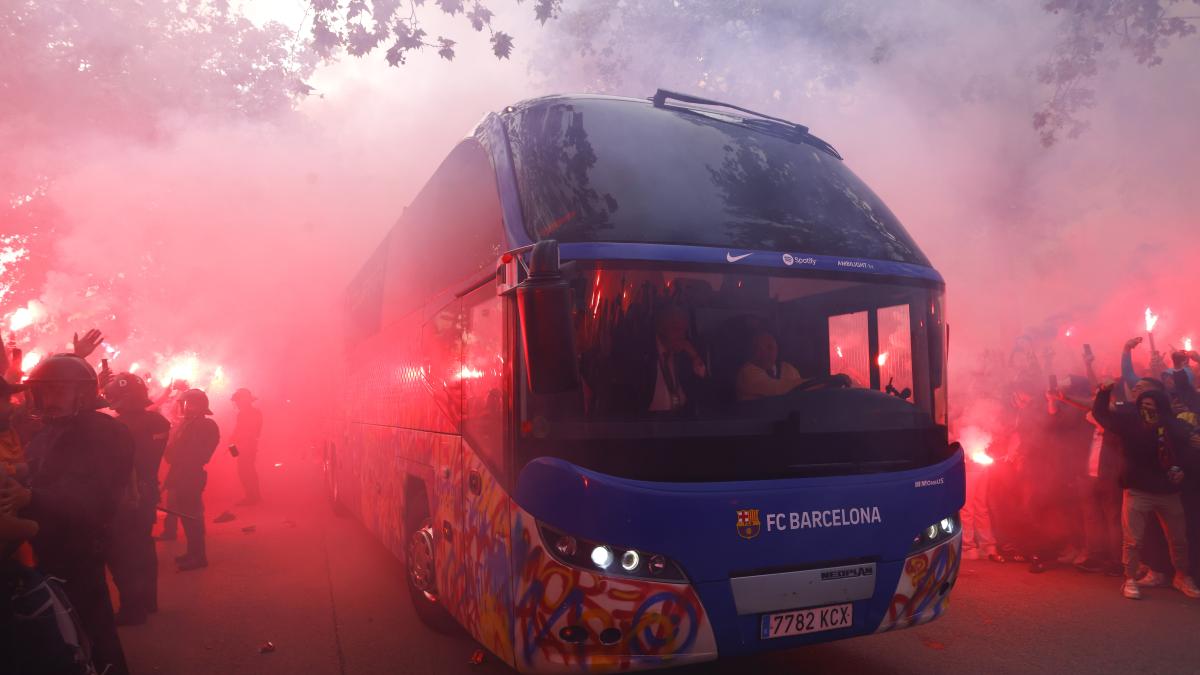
(747, 523)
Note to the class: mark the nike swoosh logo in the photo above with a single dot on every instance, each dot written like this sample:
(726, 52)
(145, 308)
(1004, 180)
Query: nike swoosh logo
(734, 258)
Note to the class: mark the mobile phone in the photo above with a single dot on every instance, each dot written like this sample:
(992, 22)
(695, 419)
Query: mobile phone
(104, 364)
(233, 451)
(1087, 350)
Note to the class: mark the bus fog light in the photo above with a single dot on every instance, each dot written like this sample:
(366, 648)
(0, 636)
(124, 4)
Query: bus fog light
(947, 525)
(602, 557)
(566, 546)
(630, 561)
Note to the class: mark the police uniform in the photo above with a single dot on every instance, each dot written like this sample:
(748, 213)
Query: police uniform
(190, 448)
(79, 471)
(131, 554)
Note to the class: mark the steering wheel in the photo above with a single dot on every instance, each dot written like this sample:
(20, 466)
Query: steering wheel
(839, 381)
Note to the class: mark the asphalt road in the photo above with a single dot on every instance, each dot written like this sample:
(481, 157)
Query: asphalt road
(333, 601)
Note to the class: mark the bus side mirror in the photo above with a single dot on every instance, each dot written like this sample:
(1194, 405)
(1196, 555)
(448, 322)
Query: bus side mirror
(547, 331)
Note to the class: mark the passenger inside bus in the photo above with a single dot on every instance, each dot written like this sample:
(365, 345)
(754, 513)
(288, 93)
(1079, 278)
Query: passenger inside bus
(657, 344)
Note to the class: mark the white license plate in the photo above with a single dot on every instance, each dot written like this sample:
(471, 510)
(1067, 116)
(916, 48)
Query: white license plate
(803, 621)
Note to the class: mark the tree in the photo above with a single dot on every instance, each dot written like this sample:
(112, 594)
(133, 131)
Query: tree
(1140, 28)
(72, 70)
(359, 27)
(82, 66)
(785, 52)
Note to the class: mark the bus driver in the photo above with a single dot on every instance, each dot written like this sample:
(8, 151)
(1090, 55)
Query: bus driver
(764, 375)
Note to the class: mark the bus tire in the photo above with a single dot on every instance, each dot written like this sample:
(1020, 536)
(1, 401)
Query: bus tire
(332, 488)
(420, 565)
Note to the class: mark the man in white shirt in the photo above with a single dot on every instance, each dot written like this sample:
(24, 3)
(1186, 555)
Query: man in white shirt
(678, 363)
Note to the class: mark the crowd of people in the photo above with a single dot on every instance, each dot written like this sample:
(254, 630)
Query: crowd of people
(1101, 472)
(81, 453)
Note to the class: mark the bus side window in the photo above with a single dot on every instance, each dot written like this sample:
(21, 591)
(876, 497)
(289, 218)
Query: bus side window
(483, 375)
(450, 235)
(441, 351)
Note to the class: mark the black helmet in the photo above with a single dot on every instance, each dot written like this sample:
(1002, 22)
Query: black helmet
(127, 388)
(195, 397)
(66, 369)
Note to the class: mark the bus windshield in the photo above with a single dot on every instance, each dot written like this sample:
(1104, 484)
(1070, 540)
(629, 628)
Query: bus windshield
(611, 170)
(821, 374)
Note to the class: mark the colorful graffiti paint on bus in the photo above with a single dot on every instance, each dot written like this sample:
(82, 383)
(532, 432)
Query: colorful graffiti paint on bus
(923, 591)
(629, 624)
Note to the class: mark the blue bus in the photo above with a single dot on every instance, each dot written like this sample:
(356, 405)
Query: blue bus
(636, 383)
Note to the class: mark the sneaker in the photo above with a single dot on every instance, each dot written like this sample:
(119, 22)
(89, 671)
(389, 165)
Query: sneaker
(1131, 590)
(1186, 586)
(997, 558)
(1152, 579)
(1090, 566)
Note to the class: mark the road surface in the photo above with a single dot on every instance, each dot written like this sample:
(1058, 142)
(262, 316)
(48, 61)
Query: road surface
(333, 601)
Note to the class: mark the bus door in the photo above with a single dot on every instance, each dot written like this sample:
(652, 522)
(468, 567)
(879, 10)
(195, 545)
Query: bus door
(441, 350)
(485, 533)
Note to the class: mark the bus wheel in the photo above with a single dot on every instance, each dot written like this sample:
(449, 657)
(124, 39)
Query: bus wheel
(421, 562)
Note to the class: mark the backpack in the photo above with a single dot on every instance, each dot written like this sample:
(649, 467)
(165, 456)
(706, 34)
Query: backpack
(45, 625)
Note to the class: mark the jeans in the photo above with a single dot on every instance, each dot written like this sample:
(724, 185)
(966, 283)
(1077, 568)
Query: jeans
(976, 516)
(1136, 511)
(1102, 520)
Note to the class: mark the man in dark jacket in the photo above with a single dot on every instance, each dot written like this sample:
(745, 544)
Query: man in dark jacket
(1154, 444)
(131, 554)
(190, 448)
(80, 465)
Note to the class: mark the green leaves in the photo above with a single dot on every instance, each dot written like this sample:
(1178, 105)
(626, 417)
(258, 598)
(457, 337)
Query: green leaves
(480, 16)
(361, 26)
(502, 45)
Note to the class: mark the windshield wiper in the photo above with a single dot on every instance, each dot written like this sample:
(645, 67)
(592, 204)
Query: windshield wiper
(760, 122)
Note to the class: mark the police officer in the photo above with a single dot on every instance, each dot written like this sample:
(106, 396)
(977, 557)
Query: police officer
(131, 555)
(246, 432)
(80, 464)
(189, 450)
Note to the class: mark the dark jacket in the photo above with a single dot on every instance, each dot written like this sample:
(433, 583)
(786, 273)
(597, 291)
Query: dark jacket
(247, 430)
(190, 448)
(79, 472)
(150, 432)
(1148, 451)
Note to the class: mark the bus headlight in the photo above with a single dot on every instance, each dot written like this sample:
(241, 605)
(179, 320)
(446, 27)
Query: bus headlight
(602, 557)
(936, 533)
(598, 557)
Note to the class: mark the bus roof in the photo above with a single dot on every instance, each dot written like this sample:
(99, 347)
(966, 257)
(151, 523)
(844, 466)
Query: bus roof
(604, 169)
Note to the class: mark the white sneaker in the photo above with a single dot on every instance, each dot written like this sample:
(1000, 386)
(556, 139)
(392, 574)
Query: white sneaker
(1186, 586)
(1131, 590)
(1152, 579)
